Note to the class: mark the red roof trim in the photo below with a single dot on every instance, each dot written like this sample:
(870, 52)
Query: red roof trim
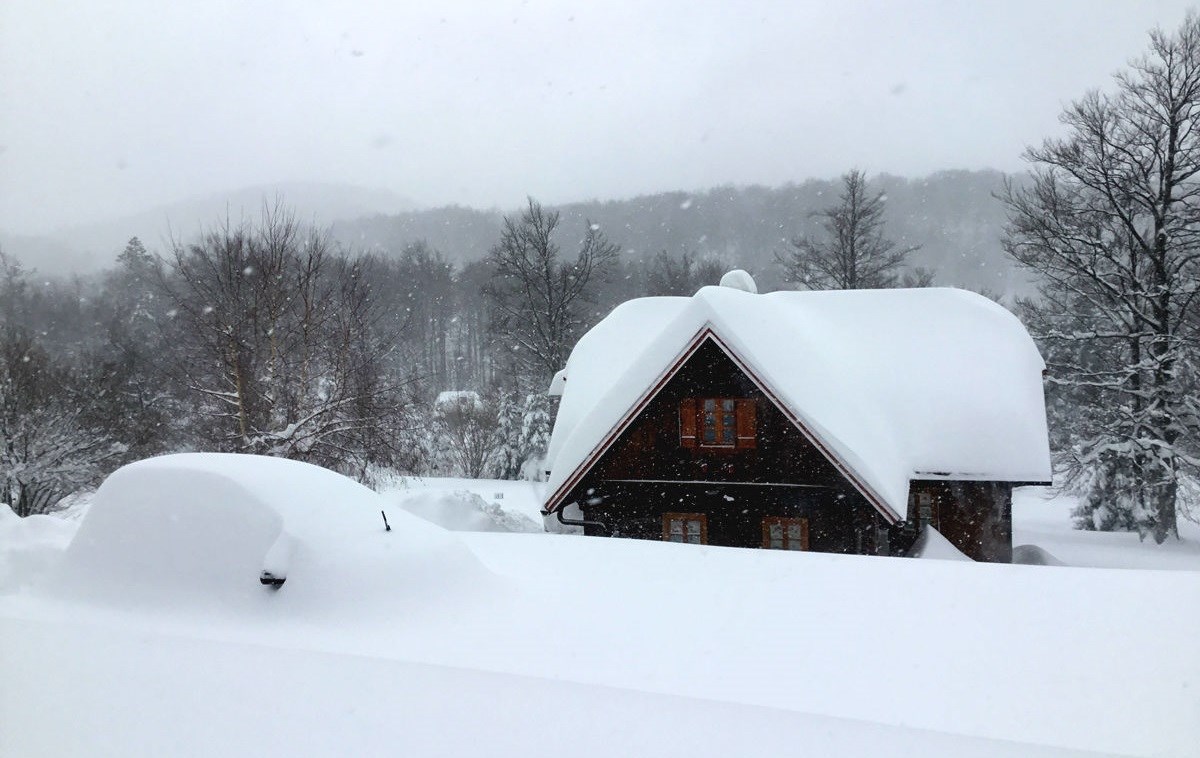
(555, 501)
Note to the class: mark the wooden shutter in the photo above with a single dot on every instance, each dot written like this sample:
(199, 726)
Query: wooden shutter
(747, 424)
(687, 422)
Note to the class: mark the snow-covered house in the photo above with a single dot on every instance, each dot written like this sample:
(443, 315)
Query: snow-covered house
(829, 421)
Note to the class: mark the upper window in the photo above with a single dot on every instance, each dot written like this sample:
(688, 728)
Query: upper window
(717, 422)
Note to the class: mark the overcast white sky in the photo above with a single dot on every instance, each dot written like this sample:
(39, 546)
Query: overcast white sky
(109, 108)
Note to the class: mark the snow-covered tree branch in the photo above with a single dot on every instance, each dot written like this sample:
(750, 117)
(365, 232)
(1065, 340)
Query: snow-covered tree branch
(1111, 224)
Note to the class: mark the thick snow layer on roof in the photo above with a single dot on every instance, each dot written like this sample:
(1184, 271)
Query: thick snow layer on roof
(900, 384)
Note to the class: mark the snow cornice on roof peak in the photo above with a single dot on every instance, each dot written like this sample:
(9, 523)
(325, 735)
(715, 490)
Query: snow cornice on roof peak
(739, 280)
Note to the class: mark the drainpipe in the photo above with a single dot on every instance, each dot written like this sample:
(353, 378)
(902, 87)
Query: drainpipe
(578, 522)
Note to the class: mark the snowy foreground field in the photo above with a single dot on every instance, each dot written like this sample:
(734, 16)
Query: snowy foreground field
(150, 634)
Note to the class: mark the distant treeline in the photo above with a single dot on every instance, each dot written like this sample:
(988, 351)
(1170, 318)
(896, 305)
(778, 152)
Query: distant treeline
(954, 216)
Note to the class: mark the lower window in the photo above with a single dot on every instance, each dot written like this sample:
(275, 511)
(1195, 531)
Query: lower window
(685, 527)
(785, 533)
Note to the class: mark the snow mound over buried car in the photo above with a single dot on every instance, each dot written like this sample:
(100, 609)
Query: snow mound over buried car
(200, 529)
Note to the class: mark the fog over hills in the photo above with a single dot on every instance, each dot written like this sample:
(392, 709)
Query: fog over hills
(87, 247)
(953, 215)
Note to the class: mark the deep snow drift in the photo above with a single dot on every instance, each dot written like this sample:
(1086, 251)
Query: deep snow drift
(422, 641)
(197, 530)
(30, 547)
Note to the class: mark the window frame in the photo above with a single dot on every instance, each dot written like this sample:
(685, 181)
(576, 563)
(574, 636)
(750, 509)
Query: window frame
(720, 427)
(667, 518)
(784, 522)
(741, 431)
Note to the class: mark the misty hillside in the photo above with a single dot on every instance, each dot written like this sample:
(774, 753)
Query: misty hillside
(86, 247)
(953, 215)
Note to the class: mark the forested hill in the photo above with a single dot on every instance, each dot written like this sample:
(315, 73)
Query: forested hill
(953, 215)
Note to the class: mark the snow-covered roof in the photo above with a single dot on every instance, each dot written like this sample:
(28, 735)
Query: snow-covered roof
(897, 384)
(457, 398)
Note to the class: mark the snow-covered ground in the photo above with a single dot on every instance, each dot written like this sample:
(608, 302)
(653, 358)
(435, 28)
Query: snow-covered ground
(427, 642)
(1043, 520)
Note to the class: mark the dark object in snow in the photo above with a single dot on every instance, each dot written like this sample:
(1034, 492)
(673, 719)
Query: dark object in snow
(585, 523)
(386, 526)
(268, 579)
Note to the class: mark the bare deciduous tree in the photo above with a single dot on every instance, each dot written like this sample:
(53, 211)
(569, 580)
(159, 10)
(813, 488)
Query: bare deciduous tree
(851, 252)
(1111, 224)
(465, 433)
(285, 353)
(537, 297)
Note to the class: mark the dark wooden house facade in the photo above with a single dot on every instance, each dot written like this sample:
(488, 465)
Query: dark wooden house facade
(710, 456)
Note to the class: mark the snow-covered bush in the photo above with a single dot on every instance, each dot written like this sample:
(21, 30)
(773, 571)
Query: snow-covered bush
(46, 453)
(524, 430)
(465, 511)
(465, 440)
(1107, 491)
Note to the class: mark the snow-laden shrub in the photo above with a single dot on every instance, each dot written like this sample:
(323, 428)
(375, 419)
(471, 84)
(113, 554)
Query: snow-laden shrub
(46, 450)
(465, 511)
(524, 430)
(1106, 491)
(465, 439)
